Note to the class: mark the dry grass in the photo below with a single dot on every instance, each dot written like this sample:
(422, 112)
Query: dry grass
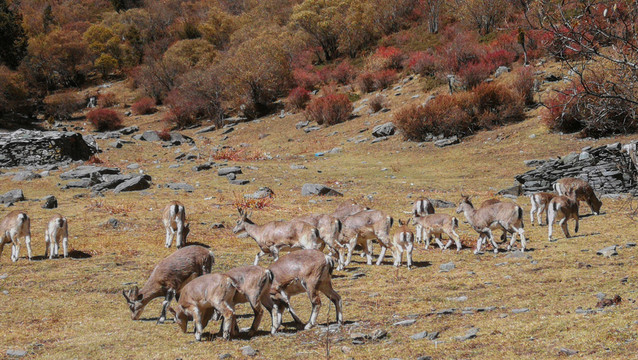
(73, 308)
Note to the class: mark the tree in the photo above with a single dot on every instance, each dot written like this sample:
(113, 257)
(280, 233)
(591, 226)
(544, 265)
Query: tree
(433, 12)
(13, 42)
(484, 15)
(120, 5)
(320, 20)
(105, 64)
(598, 42)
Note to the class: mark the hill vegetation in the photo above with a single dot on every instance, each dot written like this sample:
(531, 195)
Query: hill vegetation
(209, 59)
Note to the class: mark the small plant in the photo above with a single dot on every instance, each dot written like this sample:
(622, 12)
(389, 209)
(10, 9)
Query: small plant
(377, 102)
(106, 100)
(524, 85)
(94, 160)
(164, 135)
(421, 62)
(329, 109)
(306, 79)
(475, 73)
(230, 154)
(105, 119)
(298, 98)
(378, 80)
(240, 202)
(143, 106)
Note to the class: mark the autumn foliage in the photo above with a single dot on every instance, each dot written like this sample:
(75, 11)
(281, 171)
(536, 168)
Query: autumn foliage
(329, 109)
(104, 119)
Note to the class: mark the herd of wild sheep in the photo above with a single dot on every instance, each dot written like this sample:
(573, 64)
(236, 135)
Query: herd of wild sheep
(201, 296)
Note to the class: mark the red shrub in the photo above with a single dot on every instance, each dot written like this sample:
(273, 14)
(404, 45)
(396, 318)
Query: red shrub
(104, 119)
(164, 135)
(475, 73)
(344, 73)
(563, 113)
(388, 58)
(306, 79)
(298, 98)
(144, 106)
(421, 62)
(329, 109)
(180, 117)
(461, 49)
(497, 105)
(524, 84)
(377, 102)
(370, 81)
(500, 57)
(444, 115)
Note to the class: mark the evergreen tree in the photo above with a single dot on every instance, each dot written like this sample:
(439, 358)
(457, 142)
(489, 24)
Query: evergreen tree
(13, 42)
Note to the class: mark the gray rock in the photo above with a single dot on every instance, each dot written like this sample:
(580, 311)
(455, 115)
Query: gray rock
(228, 130)
(405, 322)
(518, 255)
(433, 335)
(501, 70)
(173, 166)
(262, 193)
(224, 356)
(443, 204)
(150, 135)
(447, 141)
(50, 202)
(424, 358)
(16, 353)
(129, 130)
(447, 267)
(298, 167)
(384, 138)
(239, 182)
(520, 311)
(206, 129)
(318, 189)
(516, 190)
(458, 299)
(180, 186)
(600, 296)
(382, 130)
(229, 170)
(25, 176)
(470, 334)
(231, 176)
(36, 148)
(135, 184)
(87, 171)
(204, 166)
(609, 251)
(302, 124)
(311, 128)
(378, 334)
(534, 162)
(248, 351)
(12, 196)
(419, 336)
(133, 166)
(567, 352)
(117, 144)
(78, 184)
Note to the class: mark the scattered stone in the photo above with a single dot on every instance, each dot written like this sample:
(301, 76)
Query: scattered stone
(518, 255)
(567, 352)
(520, 311)
(336, 150)
(228, 130)
(12, 196)
(150, 135)
(445, 312)
(206, 129)
(129, 130)
(117, 144)
(248, 351)
(135, 184)
(133, 166)
(442, 204)
(173, 166)
(231, 176)
(88, 171)
(609, 251)
(78, 184)
(419, 336)
(446, 267)
(358, 338)
(356, 276)
(601, 296)
(552, 78)
(25, 176)
(424, 358)
(318, 189)
(204, 166)
(516, 190)
(311, 128)
(16, 353)
(630, 244)
(384, 130)
(224, 356)
(458, 299)
(433, 335)
(50, 202)
(379, 334)
(447, 141)
(609, 302)
(298, 167)
(262, 193)
(239, 182)
(470, 334)
(180, 186)
(302, 124)
(405, 322)
(229, 170)
(379, 140)
(501, 70)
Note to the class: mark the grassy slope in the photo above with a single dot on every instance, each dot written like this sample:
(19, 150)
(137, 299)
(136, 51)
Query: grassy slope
(72, 308)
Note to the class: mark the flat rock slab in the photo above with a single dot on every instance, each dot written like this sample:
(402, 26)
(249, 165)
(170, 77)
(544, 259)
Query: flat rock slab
(470, 334)
(206, 129)
(518, 255)
(16, 353)
(419, 336)
(248, 351)
(25, 176)
(135, 184)
(239, 182)
(405, 322)
(520, 311)
(447, 141)
(12, 196)
(180, 186)
(150, 135)
(298, 167)
(443, 204)
(384, 130)
(262, 193)
(87, 171)
(318, 189)
(609, 251)
(447, 267)
(229, 170)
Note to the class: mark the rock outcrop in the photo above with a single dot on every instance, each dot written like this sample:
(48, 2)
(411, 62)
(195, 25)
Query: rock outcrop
(37, 148)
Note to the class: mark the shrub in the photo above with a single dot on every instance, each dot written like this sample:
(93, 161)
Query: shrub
(497, 105)
(143, 106)
(377, 102)
(421, 62)
(500, 57)
(298, 98)
(105, 119)
(165, 134)
(386, 58)
(62, 105)
(563, 113)
(344, 73)
(329, 109)
(197, 95)
(378, 80)
(306, 79)
(411, 120)
(475, 73)
(524, 85)
(106, 100)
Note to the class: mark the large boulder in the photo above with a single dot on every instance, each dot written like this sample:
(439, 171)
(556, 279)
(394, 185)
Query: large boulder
(318, 189)
(229, 170)
(382, 130)
(12, 196)
(36, 148)
(135, 184)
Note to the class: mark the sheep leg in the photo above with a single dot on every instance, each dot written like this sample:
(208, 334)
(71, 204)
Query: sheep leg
(170, 294)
